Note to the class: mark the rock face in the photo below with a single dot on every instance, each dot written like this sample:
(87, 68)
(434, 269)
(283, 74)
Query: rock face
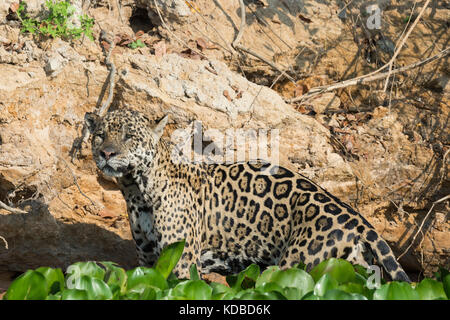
(74, 214)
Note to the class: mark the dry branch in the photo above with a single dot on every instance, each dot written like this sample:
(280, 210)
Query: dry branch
(422, 224)
(6, 242)
(76, 181)
(367, 78)
(11, 209)
(112, 73)
(402, 43)
(78, 143)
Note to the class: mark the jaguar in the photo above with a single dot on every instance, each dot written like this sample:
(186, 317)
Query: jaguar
(230, 215)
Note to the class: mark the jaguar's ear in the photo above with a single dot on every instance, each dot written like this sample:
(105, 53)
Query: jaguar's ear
(91, 120)
(158, 129)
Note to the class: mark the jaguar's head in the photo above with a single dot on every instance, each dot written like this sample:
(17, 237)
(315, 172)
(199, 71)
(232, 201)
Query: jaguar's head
(123, 140)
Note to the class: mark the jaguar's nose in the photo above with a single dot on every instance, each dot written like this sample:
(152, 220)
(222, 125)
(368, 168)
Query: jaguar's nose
(108, 152)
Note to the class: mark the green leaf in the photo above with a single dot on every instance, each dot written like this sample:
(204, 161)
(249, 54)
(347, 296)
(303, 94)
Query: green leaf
(96, 289)
(74, 294)
(54, 279)
(310, 296)
(56, 296)
(193, 273)
(252, 294)
(140, 278)
(446, 284)
(325, 283)
(336, 294)
(289, 278)
(148, 294)
(169, 258)
(429, 289)
(362, 271)
(193, 290)
(339, 269)
(244, 279)
(29, 286)
(114, 276)
(395, 291)
(266, 275)
(89, 268)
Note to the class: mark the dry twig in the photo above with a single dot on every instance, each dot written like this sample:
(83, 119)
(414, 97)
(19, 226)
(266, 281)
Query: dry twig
(78, 143)
(422, 224)
(11, 209)
(373, 76)
(76, 181)
(6, 242)
(402, 43)
(111, 75)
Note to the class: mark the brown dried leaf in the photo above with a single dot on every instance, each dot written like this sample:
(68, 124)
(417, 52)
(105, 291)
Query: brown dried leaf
(105, 45)
(300, 89)
(140, 33)
(202, 44)
(14, 6)
(227, 95)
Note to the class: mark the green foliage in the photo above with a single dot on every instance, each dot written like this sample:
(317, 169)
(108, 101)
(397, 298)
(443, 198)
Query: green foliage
(56, 23)
(333, 279)
(136, 44)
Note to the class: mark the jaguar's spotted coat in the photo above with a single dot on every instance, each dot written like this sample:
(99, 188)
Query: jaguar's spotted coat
(231, 215)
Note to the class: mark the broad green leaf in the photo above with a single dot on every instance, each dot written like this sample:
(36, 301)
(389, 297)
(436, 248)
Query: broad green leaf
(325, 283)
(290, 278)
(266, 275)
(140, 278)
(148, 294)
(244, 279)
(79, 269)
(293, 293)
(115, 276)
(193, 273)
(54, 279)
(169, 258)
(193, 290)
(219, 287)
(96, 289)
(310, 296)
(339, 269)
(29, 286)
(270, 286)
(446, 284)
(395, 291)
(429, 289)
(252, 294)
(56, 296)
(74, 294)
(360, 270)
(336, 294)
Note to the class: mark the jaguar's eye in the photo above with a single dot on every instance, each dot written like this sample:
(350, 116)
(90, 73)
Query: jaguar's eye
(128, 136)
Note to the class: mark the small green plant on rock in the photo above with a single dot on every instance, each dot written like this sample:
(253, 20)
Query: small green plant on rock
(57, 23)
(136, 44)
